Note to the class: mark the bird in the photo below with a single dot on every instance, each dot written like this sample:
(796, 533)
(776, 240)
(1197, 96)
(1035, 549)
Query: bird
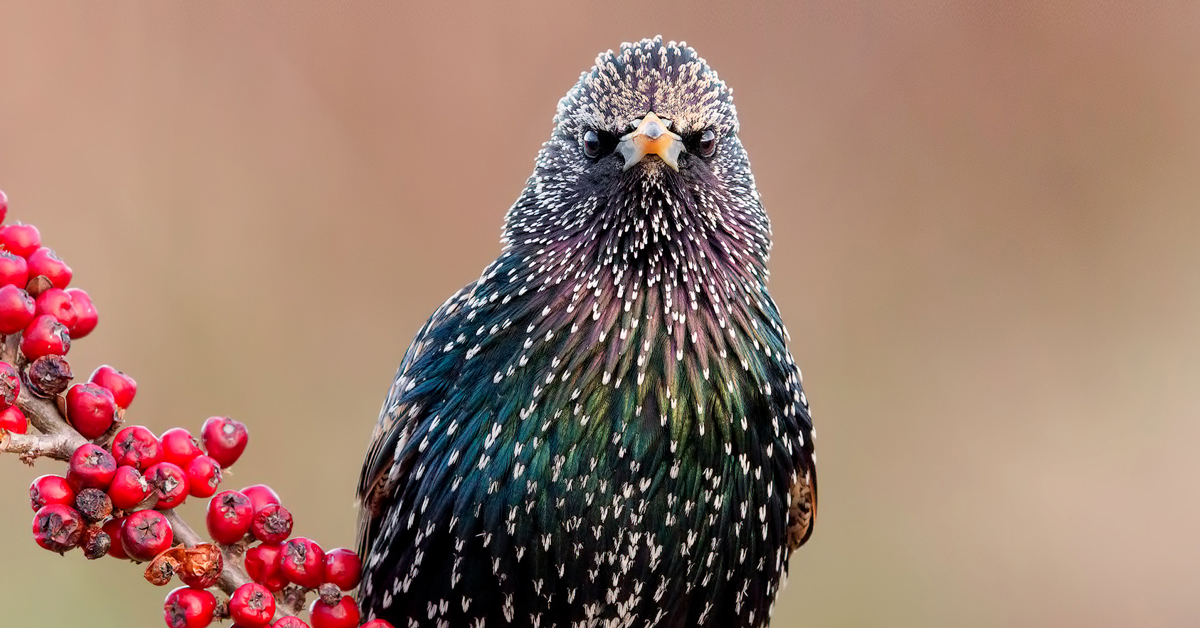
(606, 428)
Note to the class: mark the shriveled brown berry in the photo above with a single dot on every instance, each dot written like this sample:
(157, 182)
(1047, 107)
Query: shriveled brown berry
(49, 375)
(201, 566)
(163, 566)
(96, 543)
(94, 504)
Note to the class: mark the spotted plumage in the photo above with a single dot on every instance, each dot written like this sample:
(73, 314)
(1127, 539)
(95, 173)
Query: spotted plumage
(607, 428)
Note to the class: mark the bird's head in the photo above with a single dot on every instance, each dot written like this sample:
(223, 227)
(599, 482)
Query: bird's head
(647, 139)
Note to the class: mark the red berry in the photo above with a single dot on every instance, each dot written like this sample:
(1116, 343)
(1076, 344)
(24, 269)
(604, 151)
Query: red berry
(85, 313)
(271, 524)
(16, 309)
(50, 489)
(204, 474)
(260, 495)
(3, 205)
(57, 527)
(289, 621)
(146, 534)
(45, 262)
(91, 467)
(45, 336)
(22, 240)
(56, 302)
(170, 482)
(129, 488)
(228, 518)
(14, 270)
(138, 447)
(119, 384)
(344, 614)
(112, 528)
(303, 562)
(342, 568)
(251, 605)
(224, 439)
(91, 409)
(179, 446)
(13, 420)
(378, 623)
(262, 565)
(189, 608)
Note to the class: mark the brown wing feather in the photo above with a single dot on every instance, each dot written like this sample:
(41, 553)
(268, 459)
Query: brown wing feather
(803, 511)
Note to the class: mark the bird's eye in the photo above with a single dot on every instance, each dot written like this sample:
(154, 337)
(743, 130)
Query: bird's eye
(707, 144)
(591, 144)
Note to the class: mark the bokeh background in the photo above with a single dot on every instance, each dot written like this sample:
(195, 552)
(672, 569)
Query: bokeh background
(987, 226)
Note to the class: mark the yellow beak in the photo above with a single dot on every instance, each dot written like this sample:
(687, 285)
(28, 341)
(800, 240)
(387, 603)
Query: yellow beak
(651, 137)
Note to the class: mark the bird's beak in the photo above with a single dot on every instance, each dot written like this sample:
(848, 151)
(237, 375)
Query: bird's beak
(651, 137)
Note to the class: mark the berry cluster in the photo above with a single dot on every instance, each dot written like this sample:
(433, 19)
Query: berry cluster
(122, 484)
(254, 518)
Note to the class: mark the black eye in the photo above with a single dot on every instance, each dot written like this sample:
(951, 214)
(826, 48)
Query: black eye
(591, 144)
(707, 144)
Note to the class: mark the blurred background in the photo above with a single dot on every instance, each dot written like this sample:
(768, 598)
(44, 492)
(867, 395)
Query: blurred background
(987, 249)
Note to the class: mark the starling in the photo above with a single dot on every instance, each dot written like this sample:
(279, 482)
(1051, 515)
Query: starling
(606, 428)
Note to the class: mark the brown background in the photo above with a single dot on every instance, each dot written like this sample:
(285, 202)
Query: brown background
(986, 225)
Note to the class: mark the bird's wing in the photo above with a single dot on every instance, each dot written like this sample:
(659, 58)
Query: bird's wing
(802, 511)
(382, 471)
